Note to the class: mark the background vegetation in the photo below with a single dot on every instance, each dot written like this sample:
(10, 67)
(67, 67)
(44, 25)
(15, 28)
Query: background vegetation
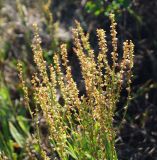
(136, 20)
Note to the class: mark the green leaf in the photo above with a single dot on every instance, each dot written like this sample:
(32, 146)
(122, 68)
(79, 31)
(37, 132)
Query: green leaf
(4, 94)
(88, 156)
(71, 151)
(5, 128)
(3, 146)
(16, 135)
(97, 12)
(23, 124)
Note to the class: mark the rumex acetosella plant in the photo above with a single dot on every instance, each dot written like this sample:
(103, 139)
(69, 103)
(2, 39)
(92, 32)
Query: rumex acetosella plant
(81, 128)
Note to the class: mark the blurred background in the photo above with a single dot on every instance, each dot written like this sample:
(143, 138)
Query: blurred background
(136, 19)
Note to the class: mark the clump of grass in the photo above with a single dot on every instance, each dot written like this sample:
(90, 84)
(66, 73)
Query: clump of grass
(81, 127)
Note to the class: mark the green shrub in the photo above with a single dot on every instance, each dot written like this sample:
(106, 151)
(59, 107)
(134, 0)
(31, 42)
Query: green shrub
(106, 7)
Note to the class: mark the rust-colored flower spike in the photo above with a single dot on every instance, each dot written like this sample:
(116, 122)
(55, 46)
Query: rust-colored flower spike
(64, 55)
(127, 60)
(71, 85)
(102, 56)
(59, 75)
(87, 62)
(53, 83)
(129, 46)
(72, 100)
(85, 41)
(102, 61)
(126, 70)
(24, 88)
(131, 54)
(114, 40)
(38, 55)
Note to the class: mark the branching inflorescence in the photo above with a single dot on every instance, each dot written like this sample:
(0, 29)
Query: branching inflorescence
(82, 127)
